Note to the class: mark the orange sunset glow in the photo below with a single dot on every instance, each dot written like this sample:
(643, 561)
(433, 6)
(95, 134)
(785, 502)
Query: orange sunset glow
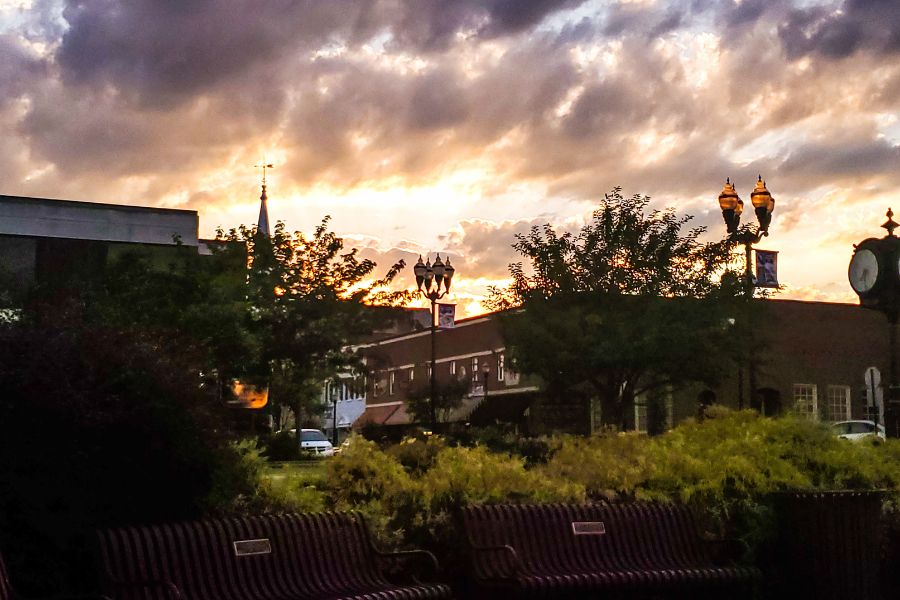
(426, 126)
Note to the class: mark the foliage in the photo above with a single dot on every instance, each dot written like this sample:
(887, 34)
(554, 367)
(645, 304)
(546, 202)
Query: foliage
(449, 396)
(98, 428)
(727, 466)
(282, 445)
(244, 488)
(630, 305)
(417, 455)
(309, 298)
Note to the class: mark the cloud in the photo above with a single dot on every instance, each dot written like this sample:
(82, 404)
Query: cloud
(491, 114)
(855, 26)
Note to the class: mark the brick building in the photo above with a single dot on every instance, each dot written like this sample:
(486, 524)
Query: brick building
(814, 362)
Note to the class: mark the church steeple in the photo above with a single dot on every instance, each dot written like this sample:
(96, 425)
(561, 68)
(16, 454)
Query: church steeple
(262, 224)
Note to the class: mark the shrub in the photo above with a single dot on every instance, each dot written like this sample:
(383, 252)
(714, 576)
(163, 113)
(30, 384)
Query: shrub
(417, 455)
(282, 446)
(97, 429)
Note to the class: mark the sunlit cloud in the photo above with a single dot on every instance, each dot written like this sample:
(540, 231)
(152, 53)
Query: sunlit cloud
(428, 126)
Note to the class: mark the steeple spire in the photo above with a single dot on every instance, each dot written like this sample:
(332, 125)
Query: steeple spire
(262, 224)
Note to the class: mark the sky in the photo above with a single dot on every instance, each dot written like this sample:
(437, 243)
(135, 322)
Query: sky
(425, 126)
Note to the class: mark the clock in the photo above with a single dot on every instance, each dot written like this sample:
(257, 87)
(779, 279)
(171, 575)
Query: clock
(864, 271)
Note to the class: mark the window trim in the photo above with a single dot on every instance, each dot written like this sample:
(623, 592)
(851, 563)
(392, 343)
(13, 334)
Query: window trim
(813, 413)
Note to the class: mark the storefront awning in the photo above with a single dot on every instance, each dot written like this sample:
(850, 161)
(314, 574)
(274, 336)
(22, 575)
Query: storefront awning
(375, 415)
(400, 417)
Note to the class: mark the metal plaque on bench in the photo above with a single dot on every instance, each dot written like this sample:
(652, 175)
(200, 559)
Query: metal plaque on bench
(588, 527)
(251, 547)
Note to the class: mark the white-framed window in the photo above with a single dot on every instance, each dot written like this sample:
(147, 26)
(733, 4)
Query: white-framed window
(391, 383)
(501, 368)
(806, 401)
(474, 367)
(453, 367)
(641, 415)
(428, 371)
(838, 402)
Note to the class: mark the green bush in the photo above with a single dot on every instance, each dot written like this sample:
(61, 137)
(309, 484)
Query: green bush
(727, 467)
(281, 446)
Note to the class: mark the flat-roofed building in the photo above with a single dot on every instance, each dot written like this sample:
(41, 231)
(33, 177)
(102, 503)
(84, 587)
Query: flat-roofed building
(46, 241)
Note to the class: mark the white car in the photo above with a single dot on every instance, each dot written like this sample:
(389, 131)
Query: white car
(315, 442)
(856, 430)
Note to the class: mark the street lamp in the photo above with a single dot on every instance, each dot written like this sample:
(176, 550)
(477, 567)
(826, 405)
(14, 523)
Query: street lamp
(431, 278)
(732, 207)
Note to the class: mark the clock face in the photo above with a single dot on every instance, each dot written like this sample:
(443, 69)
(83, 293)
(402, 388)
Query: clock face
(863, 271)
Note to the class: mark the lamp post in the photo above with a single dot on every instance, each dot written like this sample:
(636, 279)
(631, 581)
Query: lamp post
(732, 207)
(431, 279)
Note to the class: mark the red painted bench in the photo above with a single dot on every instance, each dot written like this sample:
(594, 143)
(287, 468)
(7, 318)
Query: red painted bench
(320, 556)
(553, 550)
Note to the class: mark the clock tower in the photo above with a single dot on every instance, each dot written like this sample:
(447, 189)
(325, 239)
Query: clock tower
(874, 275)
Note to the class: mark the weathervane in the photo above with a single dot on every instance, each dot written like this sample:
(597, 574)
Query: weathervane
(264, 166)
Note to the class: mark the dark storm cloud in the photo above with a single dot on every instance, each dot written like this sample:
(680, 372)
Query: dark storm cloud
(165, 51)
(431, 25)
(838, 159)
(871, 25)
(19, 68)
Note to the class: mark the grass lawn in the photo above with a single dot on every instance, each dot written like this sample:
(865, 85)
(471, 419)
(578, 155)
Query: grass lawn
(291, 474)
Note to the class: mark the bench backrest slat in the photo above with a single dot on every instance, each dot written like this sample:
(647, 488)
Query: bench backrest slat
(637, 535)
(302, 555)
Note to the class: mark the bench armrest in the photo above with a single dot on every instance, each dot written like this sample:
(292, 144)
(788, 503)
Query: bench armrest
(170, 588)
(516, 566)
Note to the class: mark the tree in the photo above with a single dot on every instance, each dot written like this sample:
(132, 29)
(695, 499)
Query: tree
(449, 396)
(632, 305)
(309, 299)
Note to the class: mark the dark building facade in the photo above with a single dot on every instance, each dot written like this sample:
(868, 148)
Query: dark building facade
(814, 361)
(54, 242)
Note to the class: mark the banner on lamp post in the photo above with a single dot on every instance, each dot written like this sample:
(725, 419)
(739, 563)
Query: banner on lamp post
(767, 268)
(446, 316)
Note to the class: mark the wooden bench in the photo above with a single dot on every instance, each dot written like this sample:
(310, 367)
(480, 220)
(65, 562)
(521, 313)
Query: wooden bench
(553, 550)
(322, 556)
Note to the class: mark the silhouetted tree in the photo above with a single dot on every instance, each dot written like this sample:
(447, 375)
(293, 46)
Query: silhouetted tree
(632, 304)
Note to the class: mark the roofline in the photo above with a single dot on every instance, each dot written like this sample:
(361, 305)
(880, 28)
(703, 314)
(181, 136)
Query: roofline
(98, 205)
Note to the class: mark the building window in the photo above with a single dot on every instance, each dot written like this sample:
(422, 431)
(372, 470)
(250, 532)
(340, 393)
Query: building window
(501, 368)
(391, 383)
(412, 373)
(640, 415)
(642, 412)
(805, 400)
(838, 402)
(428, 370)
(474, 367)
(453, 367)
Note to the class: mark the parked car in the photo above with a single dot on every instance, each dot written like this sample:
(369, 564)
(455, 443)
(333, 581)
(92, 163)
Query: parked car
(856, 430)
(315, 442)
